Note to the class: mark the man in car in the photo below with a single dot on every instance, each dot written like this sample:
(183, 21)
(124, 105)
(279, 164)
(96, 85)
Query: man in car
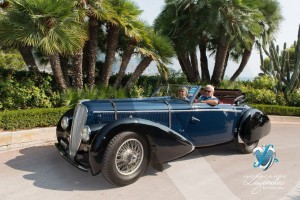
(208, 96)
(182, 93)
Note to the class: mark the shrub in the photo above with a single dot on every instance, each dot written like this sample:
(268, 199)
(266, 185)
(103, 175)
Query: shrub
(294, 98)
(31, 118)
(21, 90)
(72, 96)
(264, 82)
(261, 96)
(278, 110)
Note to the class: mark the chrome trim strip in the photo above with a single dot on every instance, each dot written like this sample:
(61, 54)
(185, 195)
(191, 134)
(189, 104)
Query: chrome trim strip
(170, 117)
(115, 108)
(128, 111)
(154, 111)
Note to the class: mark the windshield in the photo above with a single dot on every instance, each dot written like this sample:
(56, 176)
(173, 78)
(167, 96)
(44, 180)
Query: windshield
(185, 92)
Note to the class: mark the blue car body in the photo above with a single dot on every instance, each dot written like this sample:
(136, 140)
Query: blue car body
(173, 127)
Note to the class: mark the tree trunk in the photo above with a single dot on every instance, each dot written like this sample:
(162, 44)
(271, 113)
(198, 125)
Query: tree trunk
(85, 60)
(194, 63)
(225, 65)
(26, 52)
(77, 70)
(203, 61)
(185, 63)
(138, 72)
(91, 51)
(182, 65)
(220, 61)
(57, 72)
(245, 59)
(125, 60)
(65, 69)
(111, 48)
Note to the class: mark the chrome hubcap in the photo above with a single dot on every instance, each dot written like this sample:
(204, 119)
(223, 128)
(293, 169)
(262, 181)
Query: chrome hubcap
(129, 157)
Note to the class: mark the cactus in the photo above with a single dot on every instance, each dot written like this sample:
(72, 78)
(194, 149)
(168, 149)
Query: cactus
(280, 66)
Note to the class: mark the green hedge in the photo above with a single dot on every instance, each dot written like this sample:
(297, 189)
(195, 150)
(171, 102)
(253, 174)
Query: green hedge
(27, 119)
(278, 110)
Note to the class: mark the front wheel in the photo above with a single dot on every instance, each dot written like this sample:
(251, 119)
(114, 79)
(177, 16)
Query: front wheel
(245, 147)
(125, 158)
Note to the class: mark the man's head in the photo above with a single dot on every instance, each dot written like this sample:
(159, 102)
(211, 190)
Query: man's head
(182, 92)
(209, 90)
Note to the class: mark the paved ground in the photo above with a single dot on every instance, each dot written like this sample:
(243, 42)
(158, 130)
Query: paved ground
(208, 173)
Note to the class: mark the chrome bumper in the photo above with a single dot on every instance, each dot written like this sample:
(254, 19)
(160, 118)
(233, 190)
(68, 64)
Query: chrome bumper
(66, 156)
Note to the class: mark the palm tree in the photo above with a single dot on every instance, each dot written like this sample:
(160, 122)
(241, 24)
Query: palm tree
(50, 26)
(5, 31)
(127, 12)
(95, 11)
(129, 45)
(214, 24)
(228, 25)
(159, 50)
(175, 22)
(266, 24)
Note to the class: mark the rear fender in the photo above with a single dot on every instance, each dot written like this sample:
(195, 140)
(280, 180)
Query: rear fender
(165, 143)
(253, 126)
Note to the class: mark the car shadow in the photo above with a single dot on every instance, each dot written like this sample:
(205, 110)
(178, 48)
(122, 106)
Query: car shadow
(47, 169)
(226, 149)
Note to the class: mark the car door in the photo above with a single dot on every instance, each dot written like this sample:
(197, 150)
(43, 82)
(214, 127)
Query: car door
(209, 125)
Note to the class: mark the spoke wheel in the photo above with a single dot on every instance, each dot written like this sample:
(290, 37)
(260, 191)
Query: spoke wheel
(125, 158)
(129, 157)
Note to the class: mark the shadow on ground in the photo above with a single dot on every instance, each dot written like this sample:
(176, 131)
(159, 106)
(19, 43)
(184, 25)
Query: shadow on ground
(50, 171)
(226, 149)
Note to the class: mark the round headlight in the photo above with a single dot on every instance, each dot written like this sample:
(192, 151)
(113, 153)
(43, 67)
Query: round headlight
(85, 134)
(64, 122)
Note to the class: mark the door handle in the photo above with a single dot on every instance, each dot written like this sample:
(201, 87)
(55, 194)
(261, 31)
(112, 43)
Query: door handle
(195, 119)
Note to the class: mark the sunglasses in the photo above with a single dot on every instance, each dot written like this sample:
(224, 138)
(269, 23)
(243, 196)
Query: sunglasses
(207, 91)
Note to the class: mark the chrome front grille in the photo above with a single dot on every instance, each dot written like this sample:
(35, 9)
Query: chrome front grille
(79, 120)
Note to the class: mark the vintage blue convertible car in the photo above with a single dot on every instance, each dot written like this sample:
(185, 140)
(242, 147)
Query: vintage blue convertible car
(121, 137)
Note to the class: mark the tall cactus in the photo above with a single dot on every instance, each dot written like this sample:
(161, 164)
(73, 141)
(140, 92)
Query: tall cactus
(280, 65)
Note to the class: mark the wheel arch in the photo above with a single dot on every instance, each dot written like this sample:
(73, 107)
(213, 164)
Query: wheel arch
(164, 143)
(253, 126)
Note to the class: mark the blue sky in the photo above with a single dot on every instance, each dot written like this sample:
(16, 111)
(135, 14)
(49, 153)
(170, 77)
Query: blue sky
(287, 33)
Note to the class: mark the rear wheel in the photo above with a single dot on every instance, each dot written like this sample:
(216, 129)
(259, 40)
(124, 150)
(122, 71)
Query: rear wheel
(125, 158)
(245, 147)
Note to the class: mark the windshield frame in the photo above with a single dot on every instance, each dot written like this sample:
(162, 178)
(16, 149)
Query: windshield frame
(168, 91)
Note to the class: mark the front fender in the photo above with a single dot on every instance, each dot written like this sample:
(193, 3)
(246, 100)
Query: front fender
(253, 126)
(165, 143)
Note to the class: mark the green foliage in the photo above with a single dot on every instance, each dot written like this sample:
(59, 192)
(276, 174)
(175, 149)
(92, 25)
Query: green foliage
(294, 98)
(264, 82)
(259, 91)
(261, 96)
(136, 92)
(281, 64)
(22, 90)
(11, 60)
(26, 119)
(278, 110)
(51, 26)
(227, 84)
(72, 96)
